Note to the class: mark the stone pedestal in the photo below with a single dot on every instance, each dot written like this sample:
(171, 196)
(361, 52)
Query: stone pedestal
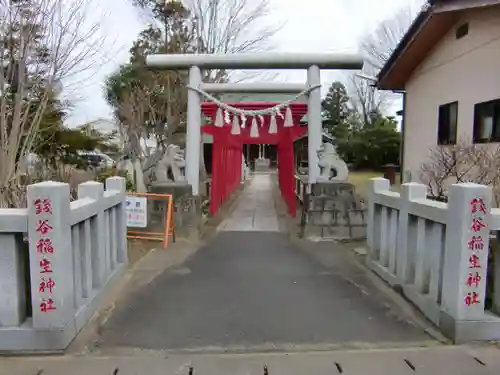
(187, 208)
(177, 189)
(262, 165)
(333, 212)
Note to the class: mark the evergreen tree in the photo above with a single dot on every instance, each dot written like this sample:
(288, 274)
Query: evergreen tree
(336, 110)
(163, 91)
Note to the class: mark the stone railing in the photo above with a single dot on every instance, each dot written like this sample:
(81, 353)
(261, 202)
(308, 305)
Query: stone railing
(57, 259)
(437, 254)
(301, 185)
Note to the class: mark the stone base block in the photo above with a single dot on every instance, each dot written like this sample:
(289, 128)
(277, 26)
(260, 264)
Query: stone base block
(334, 212)
(177, 189)
(462, 331)
(187, 208)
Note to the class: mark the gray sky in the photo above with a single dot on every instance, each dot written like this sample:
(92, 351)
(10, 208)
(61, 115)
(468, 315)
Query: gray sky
(310, 26)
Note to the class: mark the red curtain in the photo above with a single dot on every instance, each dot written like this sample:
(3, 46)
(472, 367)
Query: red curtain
(226, 172)
(286, 179)
(227, 152)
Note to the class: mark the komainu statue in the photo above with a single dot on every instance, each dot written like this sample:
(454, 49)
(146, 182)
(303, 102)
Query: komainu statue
(172, 161)
(164, 165)
(332, 167)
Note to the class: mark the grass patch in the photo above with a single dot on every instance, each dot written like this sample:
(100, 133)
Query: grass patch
(361, 181)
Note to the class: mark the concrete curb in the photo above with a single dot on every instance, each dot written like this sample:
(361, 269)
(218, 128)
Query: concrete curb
(452, 359)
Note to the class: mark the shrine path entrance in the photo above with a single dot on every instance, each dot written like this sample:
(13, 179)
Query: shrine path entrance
(255, 210)
(251, 289)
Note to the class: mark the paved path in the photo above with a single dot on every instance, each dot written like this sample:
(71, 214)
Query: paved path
(444, 360)
(255, 210)
(254, 290)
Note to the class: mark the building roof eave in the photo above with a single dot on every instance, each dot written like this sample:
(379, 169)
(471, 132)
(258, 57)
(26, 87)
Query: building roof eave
(412, 32)
(428, 28)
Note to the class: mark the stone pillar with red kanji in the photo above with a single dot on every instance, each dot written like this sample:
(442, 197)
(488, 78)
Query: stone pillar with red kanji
(466, 251)
(51, 254)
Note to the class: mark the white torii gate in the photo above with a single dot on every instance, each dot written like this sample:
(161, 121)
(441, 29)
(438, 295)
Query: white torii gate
(196, 62)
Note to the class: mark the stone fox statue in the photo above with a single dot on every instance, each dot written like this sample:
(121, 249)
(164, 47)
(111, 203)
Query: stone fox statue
(172, 161)
(330, 161)
(165, 166)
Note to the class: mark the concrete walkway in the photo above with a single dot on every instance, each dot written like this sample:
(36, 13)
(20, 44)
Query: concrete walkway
(251, 289)
(255, 210)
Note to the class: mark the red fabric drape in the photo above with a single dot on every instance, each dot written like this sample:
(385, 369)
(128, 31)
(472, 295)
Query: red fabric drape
(226, 172)
(286, 177)
(227, 152)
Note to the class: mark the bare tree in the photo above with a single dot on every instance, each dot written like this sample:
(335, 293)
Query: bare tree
(131, 125)
(131, 114)
(232, 26)
(221, 26)
(376, 48)
(367, 101)
(44, 42)
(379, 45)
(141, 115)
(463, 162)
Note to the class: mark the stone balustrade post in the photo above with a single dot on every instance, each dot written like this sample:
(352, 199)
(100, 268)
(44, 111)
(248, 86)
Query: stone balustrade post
(409, 192)
(12, 272)
(51, 254)
(466, 254)
(377, 185)
(99, 260)
(119, 184)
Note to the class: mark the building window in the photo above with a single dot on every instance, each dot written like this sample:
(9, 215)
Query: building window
(447, 124)
(462, 30)
(487, 122)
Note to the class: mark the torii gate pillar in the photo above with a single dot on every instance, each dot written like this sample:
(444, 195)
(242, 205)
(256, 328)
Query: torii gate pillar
(314, 125)
(193, 132)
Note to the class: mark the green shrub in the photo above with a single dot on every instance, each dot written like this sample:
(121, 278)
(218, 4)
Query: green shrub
(111, 172)
(371, 148)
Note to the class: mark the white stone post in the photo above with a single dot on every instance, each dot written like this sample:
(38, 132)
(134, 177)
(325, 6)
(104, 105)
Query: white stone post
(99, 258)
(378, 185)
(119, 184)
(193, 132)
(51, 254)
(12, 271)
(409, 192)
(496, 272)
(466, 251)
(314, 126)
